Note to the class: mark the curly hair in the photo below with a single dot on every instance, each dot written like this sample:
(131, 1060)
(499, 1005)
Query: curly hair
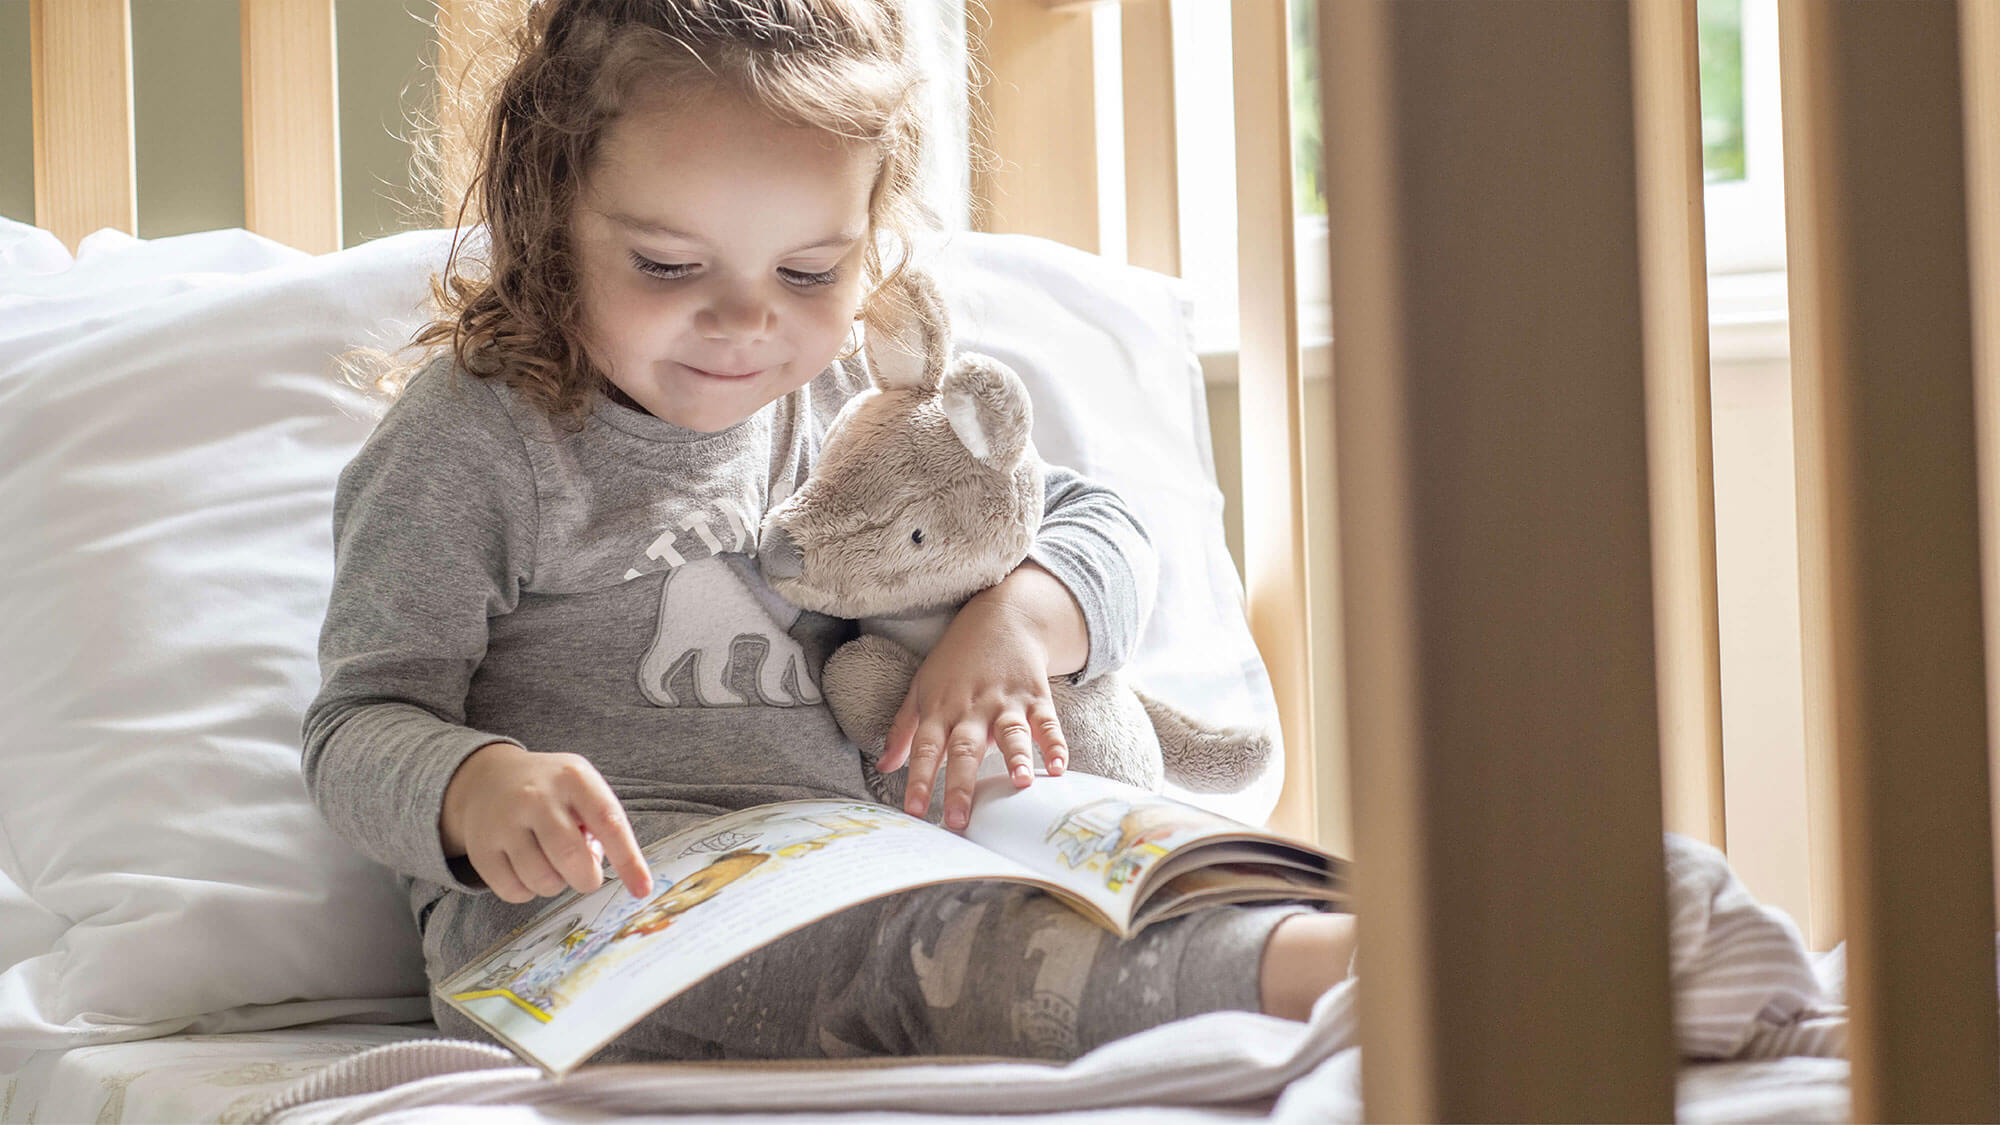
(843, 66)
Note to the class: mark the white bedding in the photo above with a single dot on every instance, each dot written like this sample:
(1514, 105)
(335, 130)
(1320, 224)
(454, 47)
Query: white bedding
(228, 1077)
(183, 1077)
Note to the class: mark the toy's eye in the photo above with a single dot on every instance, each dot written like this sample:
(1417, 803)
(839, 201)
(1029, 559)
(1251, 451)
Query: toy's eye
(917, 537)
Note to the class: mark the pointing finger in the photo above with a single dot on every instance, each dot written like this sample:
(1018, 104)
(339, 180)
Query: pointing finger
(605, 819)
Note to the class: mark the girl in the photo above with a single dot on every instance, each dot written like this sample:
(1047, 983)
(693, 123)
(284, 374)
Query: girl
(548, 637)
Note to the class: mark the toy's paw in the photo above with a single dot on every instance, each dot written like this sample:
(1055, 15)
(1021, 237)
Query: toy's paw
(865, 682)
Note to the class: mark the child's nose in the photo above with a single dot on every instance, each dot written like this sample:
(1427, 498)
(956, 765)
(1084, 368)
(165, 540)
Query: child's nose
(739, 318)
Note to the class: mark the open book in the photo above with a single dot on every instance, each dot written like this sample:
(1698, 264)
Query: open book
(591, 965)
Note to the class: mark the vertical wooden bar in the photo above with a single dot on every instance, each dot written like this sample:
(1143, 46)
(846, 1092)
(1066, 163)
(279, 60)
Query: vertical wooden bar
(474, 43)
(1496, 568)
(1889, 517)
(1271, 389)
(80, 75)
(1033, 98)
(1666, 80)
(1152, 182)
(1979, 50)
(291, 123)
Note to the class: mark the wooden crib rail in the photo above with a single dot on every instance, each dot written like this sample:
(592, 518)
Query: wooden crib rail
(1882, 379)
(1491, 424)
(80, 66)
(291, 123)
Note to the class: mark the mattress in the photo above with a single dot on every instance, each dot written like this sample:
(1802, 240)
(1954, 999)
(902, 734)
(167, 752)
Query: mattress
(182, 1077)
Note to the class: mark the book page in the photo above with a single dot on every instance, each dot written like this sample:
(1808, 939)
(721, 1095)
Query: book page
(1097, 836)
(1227, 883)
(591, 965)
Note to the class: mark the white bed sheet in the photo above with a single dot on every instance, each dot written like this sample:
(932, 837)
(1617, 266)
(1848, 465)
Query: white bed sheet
(227, 1077)
(182, 1077)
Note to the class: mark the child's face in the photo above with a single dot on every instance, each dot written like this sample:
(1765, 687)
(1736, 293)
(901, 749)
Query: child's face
(724, 207)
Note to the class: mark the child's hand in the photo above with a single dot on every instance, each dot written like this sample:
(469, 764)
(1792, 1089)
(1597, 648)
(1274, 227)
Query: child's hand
(533, 824)
(987, 681)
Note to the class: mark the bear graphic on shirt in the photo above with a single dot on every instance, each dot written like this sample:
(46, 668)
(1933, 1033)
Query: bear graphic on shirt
(724, 640)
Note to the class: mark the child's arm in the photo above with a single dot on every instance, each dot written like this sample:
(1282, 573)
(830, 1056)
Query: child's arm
(434, 534)
(1091, 541)
(1076, 607)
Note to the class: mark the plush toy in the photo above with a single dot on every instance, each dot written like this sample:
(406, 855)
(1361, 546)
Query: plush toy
(928, 491)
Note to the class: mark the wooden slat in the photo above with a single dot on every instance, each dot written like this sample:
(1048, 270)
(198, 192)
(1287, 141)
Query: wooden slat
(1033, 103)
(80, 66)
(291, 124)
(1666, 81)
(475, 39)
(1496, 569)
(1152, 173)
(1979, 51)
(1271, 390)
(1826, 926)
(1883, 407)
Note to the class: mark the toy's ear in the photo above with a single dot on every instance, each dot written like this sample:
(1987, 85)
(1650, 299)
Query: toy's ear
(913, 353)
(988, 407)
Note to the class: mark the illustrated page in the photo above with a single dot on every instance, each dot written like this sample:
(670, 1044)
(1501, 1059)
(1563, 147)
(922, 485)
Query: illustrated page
(593, 964)
(1096, 836)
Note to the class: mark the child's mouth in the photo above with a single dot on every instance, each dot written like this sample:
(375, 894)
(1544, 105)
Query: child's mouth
(722, 374)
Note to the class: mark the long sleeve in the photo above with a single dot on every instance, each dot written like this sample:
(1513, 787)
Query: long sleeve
(434, 528)
(1096, 546)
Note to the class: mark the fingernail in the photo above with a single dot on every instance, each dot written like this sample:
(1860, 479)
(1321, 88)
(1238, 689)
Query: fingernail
(955, 818)
(1022, 773)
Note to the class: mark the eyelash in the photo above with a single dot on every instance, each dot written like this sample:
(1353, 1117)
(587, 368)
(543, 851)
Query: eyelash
(662, 270)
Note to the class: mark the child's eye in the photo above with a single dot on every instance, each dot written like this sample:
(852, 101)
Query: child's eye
(673, 270)
(811, 279)
(667, 270)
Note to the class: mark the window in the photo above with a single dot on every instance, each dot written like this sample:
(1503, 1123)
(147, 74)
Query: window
(1203, 96)
(1721, 40)
(1742, 160)
(1742, 148)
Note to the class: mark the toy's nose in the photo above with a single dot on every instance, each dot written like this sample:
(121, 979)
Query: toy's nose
(779, 556)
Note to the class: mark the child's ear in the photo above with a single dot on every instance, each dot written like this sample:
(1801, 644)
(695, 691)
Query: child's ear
(988, 407)
(912, 354)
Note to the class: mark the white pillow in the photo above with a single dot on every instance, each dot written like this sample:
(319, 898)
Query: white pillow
(26, 930)
(172, 437)
(1107, 353)
(171, 440)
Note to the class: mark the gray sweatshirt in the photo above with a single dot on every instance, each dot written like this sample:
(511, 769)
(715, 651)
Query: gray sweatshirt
(498, 579)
